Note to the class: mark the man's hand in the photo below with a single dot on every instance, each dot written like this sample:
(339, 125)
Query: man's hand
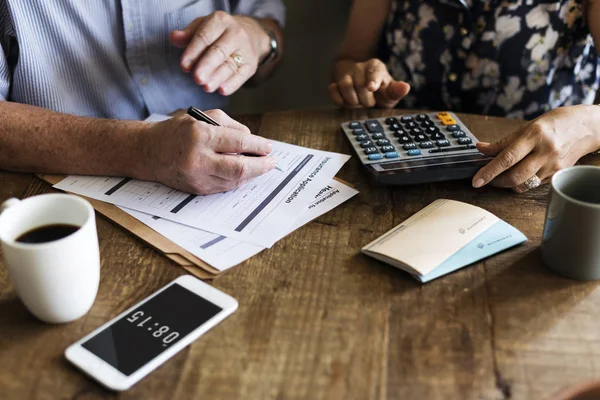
(547, 144)
(209, 43)
(199, 158)
(365, 84)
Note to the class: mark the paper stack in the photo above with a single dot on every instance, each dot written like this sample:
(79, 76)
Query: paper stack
(225, 229)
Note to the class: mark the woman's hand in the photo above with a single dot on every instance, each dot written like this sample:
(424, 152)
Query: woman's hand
(547, 144)
(365, 84)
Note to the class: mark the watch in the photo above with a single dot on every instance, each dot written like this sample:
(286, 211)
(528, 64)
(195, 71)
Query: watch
(274, 47)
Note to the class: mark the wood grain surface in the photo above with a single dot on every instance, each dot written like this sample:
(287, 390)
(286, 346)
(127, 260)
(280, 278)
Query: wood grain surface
(318, 320)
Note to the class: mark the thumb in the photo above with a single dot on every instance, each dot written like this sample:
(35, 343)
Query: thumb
(396, 90)
(388, 96)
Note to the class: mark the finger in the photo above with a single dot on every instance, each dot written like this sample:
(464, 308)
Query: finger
(205, 35)
(389, 96)
(216, 55)
(365, 97)
(335, 95)
(233, 141)
(239, 168)
(493, 149)
(225, 185)
(346, 87)
(221, 75)
(181, 37)
(516, 176)
(376, 73)
(511, 155)
(241, 75)
(226, 121)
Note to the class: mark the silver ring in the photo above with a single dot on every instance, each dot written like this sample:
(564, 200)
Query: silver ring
(238, 59)
(532, 182)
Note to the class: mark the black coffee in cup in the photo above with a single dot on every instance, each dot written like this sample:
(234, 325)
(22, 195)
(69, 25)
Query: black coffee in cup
(47, 233)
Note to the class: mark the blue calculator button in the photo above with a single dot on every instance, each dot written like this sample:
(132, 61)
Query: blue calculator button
(354, 125)
(362, 138)
(414, 152)
(373, 126)
(375, 157)
(358, 131)
(392, 154)
(409, 146)
(366, 143)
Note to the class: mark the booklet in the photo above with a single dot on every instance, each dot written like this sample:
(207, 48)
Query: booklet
(443, 237)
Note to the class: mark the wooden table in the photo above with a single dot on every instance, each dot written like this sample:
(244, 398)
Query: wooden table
(317, 320)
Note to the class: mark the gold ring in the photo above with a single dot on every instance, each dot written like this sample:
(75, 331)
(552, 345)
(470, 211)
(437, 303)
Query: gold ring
(238, 59)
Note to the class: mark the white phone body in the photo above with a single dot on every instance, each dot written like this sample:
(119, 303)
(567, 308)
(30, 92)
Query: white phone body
(111, 377)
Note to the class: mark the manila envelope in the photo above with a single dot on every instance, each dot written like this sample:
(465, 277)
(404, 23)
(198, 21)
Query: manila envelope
(182, 257)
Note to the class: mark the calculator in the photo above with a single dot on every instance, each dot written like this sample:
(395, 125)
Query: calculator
(409, 149)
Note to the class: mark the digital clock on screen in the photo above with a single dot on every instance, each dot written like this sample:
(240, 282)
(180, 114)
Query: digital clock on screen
(135, 339)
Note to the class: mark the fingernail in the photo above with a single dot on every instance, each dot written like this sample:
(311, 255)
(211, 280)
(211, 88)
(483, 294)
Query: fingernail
(269, 148)
(477, 183)
(484, 143)
(186, 64)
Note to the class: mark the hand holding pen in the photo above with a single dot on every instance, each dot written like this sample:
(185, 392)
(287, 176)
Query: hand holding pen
(201, 116)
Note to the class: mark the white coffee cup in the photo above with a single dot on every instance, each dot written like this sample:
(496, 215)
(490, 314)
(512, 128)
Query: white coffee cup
(57, 280)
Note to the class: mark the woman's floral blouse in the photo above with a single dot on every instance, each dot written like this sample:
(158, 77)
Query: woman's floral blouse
(508, 58)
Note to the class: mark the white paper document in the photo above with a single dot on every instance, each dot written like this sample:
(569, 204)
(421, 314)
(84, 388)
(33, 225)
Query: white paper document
(260, 212)
(222, 252)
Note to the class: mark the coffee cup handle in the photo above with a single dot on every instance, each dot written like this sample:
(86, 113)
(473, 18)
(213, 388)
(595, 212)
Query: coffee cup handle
(8, 203)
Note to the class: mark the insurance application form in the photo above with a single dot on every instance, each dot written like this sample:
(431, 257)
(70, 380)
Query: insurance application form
(222, 252)
(259, 212)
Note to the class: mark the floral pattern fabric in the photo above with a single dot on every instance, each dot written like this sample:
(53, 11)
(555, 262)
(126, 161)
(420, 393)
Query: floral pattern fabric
(507, 58)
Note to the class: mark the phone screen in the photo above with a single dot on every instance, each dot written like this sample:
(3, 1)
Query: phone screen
(144, 333)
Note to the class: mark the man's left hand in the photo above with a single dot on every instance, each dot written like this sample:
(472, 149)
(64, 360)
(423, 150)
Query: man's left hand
(542, 147)
(211, 43)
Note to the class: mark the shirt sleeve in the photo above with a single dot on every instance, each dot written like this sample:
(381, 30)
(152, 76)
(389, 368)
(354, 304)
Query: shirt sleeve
(273, 9)
(4, 77)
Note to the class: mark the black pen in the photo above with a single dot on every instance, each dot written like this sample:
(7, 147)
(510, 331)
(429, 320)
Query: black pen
(201, 116)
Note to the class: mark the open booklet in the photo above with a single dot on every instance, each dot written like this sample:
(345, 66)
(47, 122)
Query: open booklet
(443, 237)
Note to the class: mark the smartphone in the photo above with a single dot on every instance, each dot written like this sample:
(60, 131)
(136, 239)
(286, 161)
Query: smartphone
(126, 349)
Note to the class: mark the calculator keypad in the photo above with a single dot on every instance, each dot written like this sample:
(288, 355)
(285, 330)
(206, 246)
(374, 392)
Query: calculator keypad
(409, 137)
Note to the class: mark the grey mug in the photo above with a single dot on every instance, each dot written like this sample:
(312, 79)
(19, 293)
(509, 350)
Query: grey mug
(571, 239)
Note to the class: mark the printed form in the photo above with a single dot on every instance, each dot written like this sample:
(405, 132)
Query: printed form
(260, 212)
(222, 252)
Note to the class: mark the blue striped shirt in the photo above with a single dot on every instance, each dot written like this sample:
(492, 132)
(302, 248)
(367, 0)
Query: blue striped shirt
(106, 58)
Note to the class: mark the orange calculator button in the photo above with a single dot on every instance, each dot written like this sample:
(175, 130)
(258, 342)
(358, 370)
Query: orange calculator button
(448, 121)
(442, 115)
